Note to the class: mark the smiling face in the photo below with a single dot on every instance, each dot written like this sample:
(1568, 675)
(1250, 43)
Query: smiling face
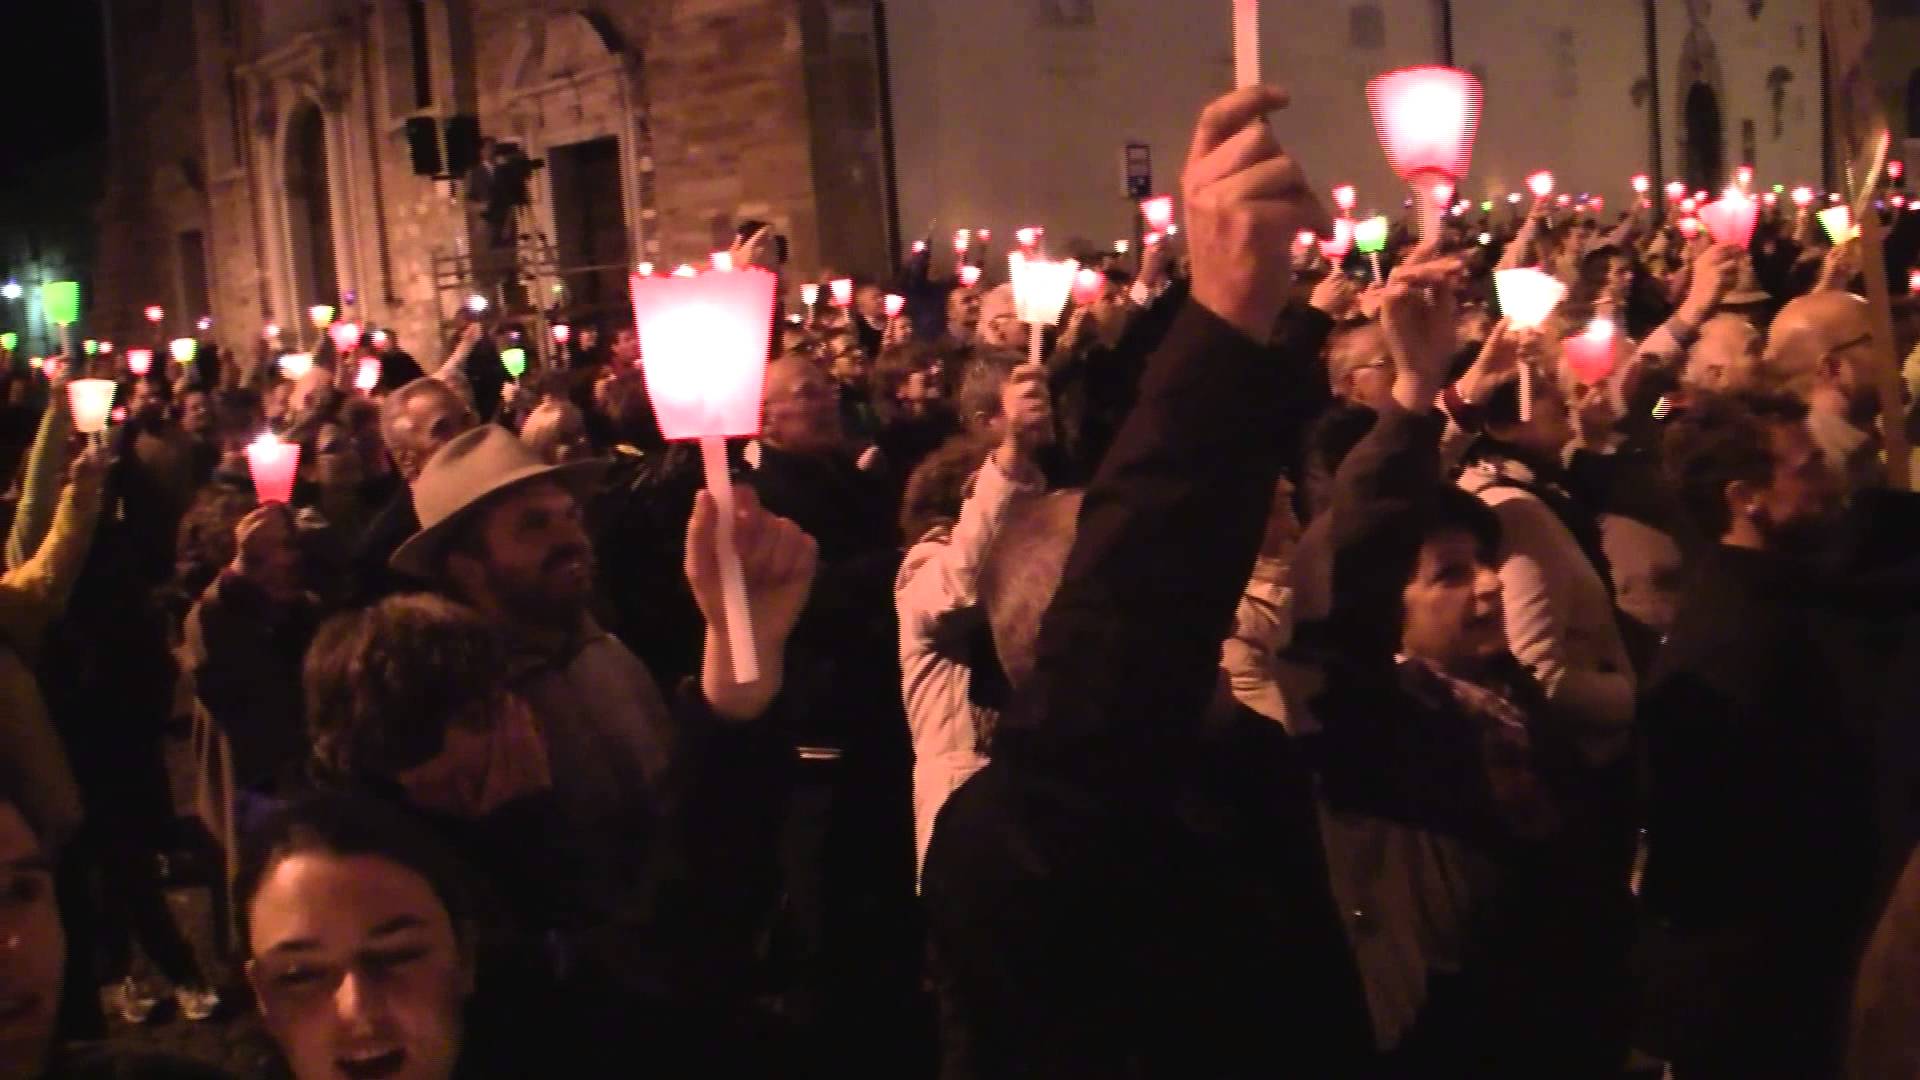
(33, 948)
(357, 969)
(532, 562)
(1451, 606)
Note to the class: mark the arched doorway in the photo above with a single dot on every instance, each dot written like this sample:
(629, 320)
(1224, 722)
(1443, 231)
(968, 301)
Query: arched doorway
(316, 279)
(1706, 149)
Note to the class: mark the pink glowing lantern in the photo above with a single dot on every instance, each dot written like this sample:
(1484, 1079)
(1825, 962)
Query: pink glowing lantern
(1029, 238)
(1152, 240)
(367, 377)
(270, 332)
(295, 365)
(1689, 227)
(1640, 183)
(1591, 354)
(1803, 197)
(273, 464)
(1730, 221)
(703, 347)
(381, 339)
(92, 403)
(684, 270)
(985, 235)
(1426, 118)
(809, 294)
(1913, 282)
(919, 247)
(1896, 169)
(139, 362)
(1088, 286)
(120, 414)
(1565, 200)
(969, 276)
(106, 348)
(1769, 199)
(1676, 191)
(962, 241)
(1689, 204)
(155, 313)
(1345, 197)
(1304, 240)
(1158, 211)
(842, 291)
(1336, 247)
(345, 336)
(1743, 177)
(562, 333)
(1527, 296)
(894, 304)
(1541, 184)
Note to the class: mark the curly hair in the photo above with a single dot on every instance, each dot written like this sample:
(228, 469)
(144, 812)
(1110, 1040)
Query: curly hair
(384, 684)
(939, 485)
(1718, 439)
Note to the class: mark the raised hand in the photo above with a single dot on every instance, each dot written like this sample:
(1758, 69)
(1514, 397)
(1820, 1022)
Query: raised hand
(1419, 312)
(1246, 202)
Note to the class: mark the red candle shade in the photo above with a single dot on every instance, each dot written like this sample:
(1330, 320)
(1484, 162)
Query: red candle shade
(1598, 204)
(1803, 197)
(703, 348)
(1336, 248)
(273, 464)
(985, 235)
(139, 361)
(1896, 169)
(562, 333)
(380, 339)
(1029, 237)
(1426, 118)
(1640, 184)
(969, 276)
(1730, 220)
(1591, 354)
(1088, 286)
(1345, 197)
(1676, 191)
(1913, 282)
(1541, 184)
(919, 247)
(1158, 211)
(962, 241)
(106, 348)
(345, 335)
(1689, 227)
(1743, 176)
(842, 290)
(894, 304)
(155, 313)
(368, 375)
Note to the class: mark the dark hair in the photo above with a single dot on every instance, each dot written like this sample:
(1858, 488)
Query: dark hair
(984, 378)
(895, 365)
(349, 825)
(205, 543)
(1718, 439)
(1331, 437)
(1372, 567)
(939, 485)
(383, 684)
(13, 788)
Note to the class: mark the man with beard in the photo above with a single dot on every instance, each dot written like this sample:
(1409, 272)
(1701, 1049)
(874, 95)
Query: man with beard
(1761, 819)
(1821, 351)
(502, 532)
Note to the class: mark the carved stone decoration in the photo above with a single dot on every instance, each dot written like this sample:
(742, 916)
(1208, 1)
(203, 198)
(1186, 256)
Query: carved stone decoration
(1777, 80)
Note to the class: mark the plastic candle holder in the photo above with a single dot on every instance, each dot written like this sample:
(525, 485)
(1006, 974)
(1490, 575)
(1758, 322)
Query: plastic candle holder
(367, 377)
(1370, 236)
(477, 304)
(1640, 183)
(1591, 353)
(155, 313)
(1838, 222)
(1345, 197)
(1676, 191)
(703, 346)
(139, 362)
(1336, 248)
(962, 240)
(809, 294)
(184, 349)
(10, 341)
(1527, 296)
(92, 403)
(894, 304)
(969, 276)
(296, 365)
(562, 333)
(61, 299)
(1730, 220)
(345, 335)
(90, 347)
(273, 464)
(1426, 118)
(515, 361)
(842, 290)
(1158, 211)
(320, 315)
(1541, 184)
(1088, 286)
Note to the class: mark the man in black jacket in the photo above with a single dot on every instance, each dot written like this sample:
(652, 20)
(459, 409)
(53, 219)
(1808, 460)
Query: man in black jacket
(1085, 923)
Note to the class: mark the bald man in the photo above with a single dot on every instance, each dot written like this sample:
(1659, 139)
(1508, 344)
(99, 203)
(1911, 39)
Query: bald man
(1821, 351)
(1725, 355)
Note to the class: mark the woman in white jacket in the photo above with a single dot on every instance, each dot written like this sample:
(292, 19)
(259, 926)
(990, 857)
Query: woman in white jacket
(937, 593)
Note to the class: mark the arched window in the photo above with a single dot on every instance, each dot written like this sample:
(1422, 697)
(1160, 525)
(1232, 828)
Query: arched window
(310, 211)
(1706, 139)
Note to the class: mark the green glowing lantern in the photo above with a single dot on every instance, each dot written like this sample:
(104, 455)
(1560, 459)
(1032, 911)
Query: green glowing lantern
(184, 349)
(91, 346)
(515, 361)
(10, 341)
(1370, 236)
(61, 299)
(1487, 207)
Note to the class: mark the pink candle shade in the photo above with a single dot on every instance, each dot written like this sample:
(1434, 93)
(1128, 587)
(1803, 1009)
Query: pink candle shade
(273, 464)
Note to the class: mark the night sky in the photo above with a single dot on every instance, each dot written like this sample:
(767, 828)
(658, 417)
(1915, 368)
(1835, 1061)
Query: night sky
(57, 83)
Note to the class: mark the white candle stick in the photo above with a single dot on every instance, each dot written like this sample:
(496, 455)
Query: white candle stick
(733, 578)
(1246, 43)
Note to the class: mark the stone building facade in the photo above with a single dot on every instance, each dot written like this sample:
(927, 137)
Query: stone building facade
(261, 163)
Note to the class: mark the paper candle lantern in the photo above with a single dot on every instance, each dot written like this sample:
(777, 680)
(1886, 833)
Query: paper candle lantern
(139, 361)
(1088, 286)
(106, 348)
(1158, 211)
(645, 269)
(1029, 237)
(1896, 169)
(1591, 354)
(893, 305)
(1336, 248)
(1640, 183)
(296, 365)
(1541, 184)
(1803, 197)
(1676, 191)
(184, 349)
(1838, 222)
(969, 276)
(919, 248)
(1743, 177)
(90, 347)
(1304, 240)
(562, 333)
(273, 464)
(346, 337)
(10, 341)
(1370, 236)
(92, 403)
(381, 339)
(1690, 227)
(703, 346)
(809, 293)
(842, 290)
(477, 304)
(320, 315)
(1345, 197)
(721, 260)
(515, 361)
(155, 313)
(1527, 296)
(1730, 221)
(1426, 118)
(367, 377)
(1041, 288)
(1913, 282)
(61, 299)
(962, 240)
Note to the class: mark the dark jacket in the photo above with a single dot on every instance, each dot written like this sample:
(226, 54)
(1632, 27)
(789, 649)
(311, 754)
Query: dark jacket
(244, 653)
(1110, 897)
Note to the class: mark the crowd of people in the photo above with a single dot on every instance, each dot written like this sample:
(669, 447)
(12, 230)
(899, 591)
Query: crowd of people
(1299, 669)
